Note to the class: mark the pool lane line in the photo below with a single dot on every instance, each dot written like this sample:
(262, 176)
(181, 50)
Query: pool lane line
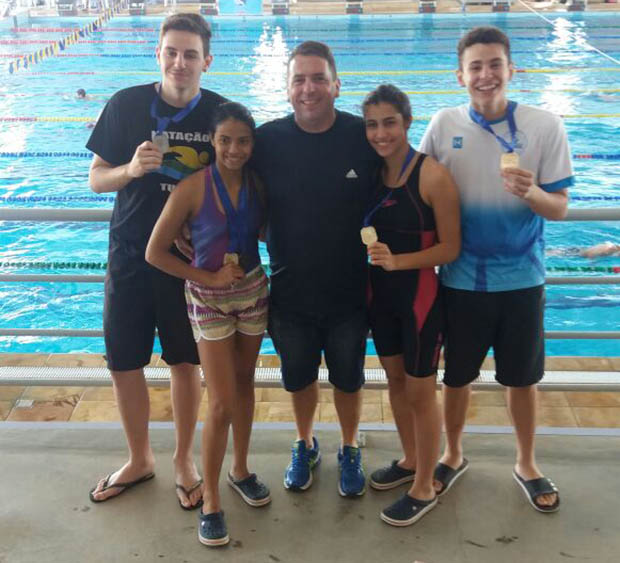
(57, 154)
(463, 92)
(77, 265)
(589, 91)
(358, 53)
(583, 42)
(332, 41)
(26, 61)
(341, 73)
(415, 117)
(298, 29)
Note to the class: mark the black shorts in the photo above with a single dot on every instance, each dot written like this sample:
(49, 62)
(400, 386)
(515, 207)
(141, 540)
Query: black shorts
(137, 304)
(396, 332)
(299, 340)
(511, 322)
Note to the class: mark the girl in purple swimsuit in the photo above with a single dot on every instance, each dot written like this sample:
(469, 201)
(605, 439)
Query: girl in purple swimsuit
(226, 292)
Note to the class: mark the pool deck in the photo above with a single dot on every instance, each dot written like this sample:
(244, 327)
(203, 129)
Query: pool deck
(45, 514)
(558, 409)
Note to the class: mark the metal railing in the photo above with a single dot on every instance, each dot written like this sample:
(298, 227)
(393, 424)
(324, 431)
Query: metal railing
(103, 215)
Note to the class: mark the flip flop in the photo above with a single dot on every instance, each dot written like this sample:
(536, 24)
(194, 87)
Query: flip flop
(188, 491)
(538, 487)
(122, 486)
(447, 476)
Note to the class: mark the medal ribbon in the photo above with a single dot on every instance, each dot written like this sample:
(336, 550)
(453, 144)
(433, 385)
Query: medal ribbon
(163, 122)
(236, 218)
(408, 159)
(510, 110)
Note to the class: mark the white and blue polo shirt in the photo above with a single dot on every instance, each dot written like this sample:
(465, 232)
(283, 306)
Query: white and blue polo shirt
(503, 239)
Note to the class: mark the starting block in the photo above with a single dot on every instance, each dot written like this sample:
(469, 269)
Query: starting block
(354, 7)
(501, 6)
(209, 8)
(137, 9)
(576, 6)
(280, 8)
(427, 6)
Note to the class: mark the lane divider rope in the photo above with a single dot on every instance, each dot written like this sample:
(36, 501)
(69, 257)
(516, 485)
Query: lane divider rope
(415, 117)
(33, 154)
(45, 265)
(56, 265)
(137, 29)
(339, 54)
(589, 91)
(24, 61)
(54, 198)
(386, 72)
(68, 198)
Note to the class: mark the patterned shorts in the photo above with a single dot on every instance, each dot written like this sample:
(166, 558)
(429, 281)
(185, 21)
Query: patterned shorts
(216, 313)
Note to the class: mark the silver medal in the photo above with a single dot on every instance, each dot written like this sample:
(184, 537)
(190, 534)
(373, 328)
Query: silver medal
(161, 142)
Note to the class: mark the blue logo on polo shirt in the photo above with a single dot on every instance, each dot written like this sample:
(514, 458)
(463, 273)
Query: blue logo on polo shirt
(457, 142)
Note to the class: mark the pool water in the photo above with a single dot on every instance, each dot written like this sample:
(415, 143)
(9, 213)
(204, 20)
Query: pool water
(417, 53)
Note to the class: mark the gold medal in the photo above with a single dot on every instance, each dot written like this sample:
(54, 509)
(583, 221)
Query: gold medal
(369, 235)
(231, 258)
(509, 160)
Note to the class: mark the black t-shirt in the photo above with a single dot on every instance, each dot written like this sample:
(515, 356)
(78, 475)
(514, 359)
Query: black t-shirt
(124, 124)
(318, 188)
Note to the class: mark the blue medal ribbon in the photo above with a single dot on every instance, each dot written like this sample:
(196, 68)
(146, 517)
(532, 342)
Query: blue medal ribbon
(408, 159)
(510, 111)
(237, 219)
(163, 122)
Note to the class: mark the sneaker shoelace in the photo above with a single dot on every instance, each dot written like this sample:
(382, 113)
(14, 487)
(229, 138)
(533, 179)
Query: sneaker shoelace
(351, 460)
(299, 457)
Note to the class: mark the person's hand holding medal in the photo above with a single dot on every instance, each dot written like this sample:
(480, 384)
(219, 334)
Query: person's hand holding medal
(229, 274)
(150, 154)
(379, 253)
(517, 181)
(147, 158)
(237, 221)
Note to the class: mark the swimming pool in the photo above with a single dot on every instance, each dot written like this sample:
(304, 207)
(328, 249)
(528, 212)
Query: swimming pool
(564, 74)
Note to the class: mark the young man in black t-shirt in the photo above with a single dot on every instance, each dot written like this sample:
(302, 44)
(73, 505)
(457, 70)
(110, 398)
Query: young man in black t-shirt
(318, 171)
(146, 140)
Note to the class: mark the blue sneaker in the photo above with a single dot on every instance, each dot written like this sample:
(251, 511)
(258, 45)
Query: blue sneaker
(212, 529)
(298, 474)
(352, 481)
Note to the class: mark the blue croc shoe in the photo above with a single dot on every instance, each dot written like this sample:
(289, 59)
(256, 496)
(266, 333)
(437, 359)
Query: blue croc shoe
(212, 529)
(352, 481)
(252, 491)
(407, 510)
(391, 476)
(298, 474)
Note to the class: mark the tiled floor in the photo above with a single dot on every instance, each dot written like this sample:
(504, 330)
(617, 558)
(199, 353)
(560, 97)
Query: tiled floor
(81, 404)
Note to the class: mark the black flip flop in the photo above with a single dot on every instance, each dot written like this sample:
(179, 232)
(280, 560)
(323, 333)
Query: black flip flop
(447, 475)
(538, 487)
(188, 491)
(122, 486)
